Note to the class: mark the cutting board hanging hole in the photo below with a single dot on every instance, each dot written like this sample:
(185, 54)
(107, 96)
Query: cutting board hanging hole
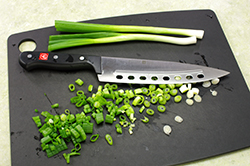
(27, 45)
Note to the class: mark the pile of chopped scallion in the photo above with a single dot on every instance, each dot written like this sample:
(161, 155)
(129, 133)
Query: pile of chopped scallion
(105, 106)
(88, 33)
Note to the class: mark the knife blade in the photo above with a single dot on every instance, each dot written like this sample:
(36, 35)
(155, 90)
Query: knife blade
(122, 70)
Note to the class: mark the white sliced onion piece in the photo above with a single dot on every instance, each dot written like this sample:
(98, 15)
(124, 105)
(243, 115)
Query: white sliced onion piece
(195, 91)
(197, 98)
(183, 88)
(214, 92)
(215, 81)
(190, 94)
(189, 101)
(206, 84)
(178, 119)
(167, 129)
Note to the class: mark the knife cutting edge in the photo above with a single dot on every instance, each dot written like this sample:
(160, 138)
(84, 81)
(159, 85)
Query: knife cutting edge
(122, 70)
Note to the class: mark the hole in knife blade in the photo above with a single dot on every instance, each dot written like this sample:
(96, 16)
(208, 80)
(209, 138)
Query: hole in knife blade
(189, 77)
(200, 76)
(166, 78)
(154, 78)
(143, 78)
(119, 77)
(177, 78)
(131, 77)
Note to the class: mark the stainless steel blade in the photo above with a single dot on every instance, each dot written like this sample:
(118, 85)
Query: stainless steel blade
(140, 71)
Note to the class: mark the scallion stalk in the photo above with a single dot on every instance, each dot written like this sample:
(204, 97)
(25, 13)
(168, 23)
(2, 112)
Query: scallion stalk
(68, 26)
(61, 44)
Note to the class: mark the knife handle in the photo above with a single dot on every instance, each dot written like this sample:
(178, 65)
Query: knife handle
(58, 61)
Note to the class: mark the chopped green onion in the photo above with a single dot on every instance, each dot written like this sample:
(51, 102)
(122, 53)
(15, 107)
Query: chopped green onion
(177, 98)
(72, 87)
(126, 101)
(63, 117)
(173, 92)
(171, 86)
(138, 100)
(109, 139)
(152, 87)
(178, 119)
(118, 100)
(142, 109)
(97, 104)
(90, 88)
(37, 121)
(146, 103)
(145, 90)
(145, 120)
(150, 112)
(166, 90)
(138, 91)
(56, 105)
(183, 88)
(118, 128)
(36, 110)
(154, 100)
(67, 156)
(122, 118)
(79, 82)
(94, 137)
(161, 108)
(162, 100)
(109, 119)
(114, 86)
(162, 86)
(167, 96)
(88, 127)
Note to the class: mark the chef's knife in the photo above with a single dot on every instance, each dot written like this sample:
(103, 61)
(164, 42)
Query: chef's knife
(122, 70)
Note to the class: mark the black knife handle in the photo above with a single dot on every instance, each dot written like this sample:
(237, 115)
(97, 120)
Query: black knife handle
(59, 61)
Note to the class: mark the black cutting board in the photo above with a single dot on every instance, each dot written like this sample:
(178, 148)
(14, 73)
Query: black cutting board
(215, 126)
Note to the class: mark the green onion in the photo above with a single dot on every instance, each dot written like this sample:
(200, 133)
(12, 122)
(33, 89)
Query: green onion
(118, 128)
(88, 127)
(109, 119)
(142, 109)
(67, 26)
(177, 98)
(56, 105)
(161, 108)
(90, 88)
(109, 139)
(150, 112)
(79, 82)
(152, 87)
(37, 121)
(67, 156)
(71, 87)
(162, 100)
(122, 118)
(167, 96)
(146, 103)
(154, 100)
(138, 100)
(121, 38)
(145, 120)
(94, 137)
(173, 92)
